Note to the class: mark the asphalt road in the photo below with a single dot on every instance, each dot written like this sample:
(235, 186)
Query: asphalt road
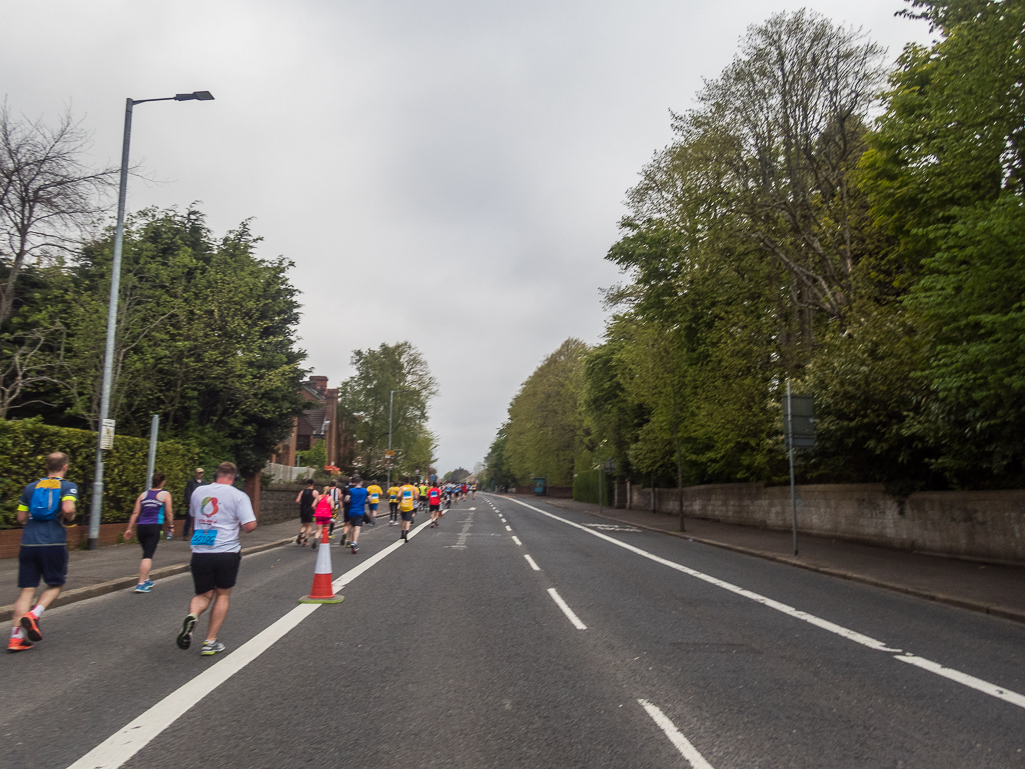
(453, 651)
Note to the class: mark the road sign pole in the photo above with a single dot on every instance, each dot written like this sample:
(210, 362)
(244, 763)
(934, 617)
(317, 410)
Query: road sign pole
(790, 441)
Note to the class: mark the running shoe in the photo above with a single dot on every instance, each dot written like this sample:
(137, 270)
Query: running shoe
(149, 583)
(211, 647)
(313, 544)
(185, 636)
(355, 548)
(31, 627)
(18, 645)
(142, 587)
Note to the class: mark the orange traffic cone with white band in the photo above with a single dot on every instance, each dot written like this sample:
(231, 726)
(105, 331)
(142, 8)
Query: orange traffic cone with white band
(322, 591)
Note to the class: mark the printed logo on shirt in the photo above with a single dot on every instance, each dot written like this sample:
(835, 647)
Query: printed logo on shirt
(213, 507)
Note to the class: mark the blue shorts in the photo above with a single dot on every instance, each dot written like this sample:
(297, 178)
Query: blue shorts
(49, 562)
(373, 507)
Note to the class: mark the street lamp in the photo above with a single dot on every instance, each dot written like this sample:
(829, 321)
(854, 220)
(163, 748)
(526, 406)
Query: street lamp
(115, 285)
(391, 404)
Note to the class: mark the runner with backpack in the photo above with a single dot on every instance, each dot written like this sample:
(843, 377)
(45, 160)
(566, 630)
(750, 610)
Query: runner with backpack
(44, 549)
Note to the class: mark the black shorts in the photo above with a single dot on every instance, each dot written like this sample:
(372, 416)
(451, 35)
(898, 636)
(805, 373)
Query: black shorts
(306, 516)
(148, 535)
(47, 561)
(214, 570)
(434, 508)
(407, 515)
(355, 520)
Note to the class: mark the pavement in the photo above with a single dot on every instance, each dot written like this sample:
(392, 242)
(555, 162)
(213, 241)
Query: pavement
(995, 589)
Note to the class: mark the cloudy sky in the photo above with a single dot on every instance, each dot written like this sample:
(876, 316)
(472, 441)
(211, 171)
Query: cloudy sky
(448, 172)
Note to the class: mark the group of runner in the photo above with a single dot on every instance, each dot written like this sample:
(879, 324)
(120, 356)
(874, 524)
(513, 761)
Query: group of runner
(358, 505)
(218, 510)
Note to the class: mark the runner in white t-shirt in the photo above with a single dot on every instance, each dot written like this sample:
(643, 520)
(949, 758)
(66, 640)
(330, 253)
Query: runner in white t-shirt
(219, 511)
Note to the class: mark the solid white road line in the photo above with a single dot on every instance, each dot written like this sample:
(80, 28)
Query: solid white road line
(125, 743)
(954, 675)
(565, 609)
(682, 744)
(517, 540)
(533, 565)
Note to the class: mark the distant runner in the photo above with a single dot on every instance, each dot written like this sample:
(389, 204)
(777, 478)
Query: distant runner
(408, 496)
(374, 498)
(357, 497)
(393, 505)
(434, 504)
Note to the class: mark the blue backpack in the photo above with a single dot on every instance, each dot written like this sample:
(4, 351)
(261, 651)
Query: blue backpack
(45, 502)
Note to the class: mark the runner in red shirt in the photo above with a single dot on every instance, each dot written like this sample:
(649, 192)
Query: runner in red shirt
(434, 501)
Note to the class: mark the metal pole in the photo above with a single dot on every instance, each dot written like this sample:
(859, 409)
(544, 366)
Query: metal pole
(108, 356)
(151, 464)
(391, 404)
(600, 484)
(790, 440)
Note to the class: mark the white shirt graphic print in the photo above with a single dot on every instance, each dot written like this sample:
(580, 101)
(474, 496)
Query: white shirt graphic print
(218, 511)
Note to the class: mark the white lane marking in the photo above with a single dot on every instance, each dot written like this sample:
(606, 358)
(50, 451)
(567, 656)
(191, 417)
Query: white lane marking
(565, 609)
(675, 736)
(533, 565)
(517, 540)
(954, 675)
(508, 528)
(129, 740)
(963, 678)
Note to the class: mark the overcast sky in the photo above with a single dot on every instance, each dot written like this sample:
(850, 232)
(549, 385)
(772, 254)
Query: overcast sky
(447, 172)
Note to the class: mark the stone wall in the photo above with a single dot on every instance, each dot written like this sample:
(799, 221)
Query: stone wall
(277, 503)
(972, 524)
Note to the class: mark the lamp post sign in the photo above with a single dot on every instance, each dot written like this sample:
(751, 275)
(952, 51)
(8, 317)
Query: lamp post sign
(107, 435)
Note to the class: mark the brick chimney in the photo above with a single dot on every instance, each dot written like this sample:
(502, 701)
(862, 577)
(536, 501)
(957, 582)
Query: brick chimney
(319, 383)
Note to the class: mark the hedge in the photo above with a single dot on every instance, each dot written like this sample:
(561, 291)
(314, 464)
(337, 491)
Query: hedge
(585, 487)
(24, 445)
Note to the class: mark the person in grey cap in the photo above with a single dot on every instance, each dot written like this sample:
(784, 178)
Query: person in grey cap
(191, 486)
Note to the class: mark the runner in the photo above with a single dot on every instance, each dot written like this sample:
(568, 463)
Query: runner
(307, 501)
(473, 490)
(408, 497)
(336, 506)
(219, 511)
(422, 492)
(152, 511)
(322, 515)
(44, 549)
(393, 505)
(357, 497)
(434, 503)
(374, 493)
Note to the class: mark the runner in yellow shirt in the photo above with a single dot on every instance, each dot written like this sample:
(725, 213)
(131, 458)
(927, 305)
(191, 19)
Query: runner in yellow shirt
(374, 498)
(408, 496)
(393, 505)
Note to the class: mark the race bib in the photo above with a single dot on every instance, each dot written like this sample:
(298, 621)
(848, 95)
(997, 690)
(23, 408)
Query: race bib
(205, 538)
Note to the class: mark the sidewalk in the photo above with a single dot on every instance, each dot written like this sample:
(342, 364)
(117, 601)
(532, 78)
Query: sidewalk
(116, 567)
(990, 588)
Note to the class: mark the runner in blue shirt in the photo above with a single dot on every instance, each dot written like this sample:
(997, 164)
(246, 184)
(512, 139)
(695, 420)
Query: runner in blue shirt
(44, 550)
(357, 499)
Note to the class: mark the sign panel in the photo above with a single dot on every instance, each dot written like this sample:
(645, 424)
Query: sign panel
(107, 435)
(801, 421)
(389, 452)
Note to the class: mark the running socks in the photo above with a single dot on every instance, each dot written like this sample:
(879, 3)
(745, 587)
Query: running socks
(37, 611)
(17, 633)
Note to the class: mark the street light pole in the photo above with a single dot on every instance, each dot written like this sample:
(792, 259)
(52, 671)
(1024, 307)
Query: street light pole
(95, 509)
(391, 405)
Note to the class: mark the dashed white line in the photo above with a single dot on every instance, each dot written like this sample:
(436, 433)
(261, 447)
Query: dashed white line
(533, 565)
(517, 540)
(508, 528)
(566, 610)
(676, 737)
(978, 684)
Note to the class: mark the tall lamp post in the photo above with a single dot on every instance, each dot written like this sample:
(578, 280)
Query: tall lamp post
(115, 285)
(391, 405)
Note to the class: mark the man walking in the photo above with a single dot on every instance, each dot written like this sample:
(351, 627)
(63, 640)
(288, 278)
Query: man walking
(219, 511)
(44, 550)
(193, 483)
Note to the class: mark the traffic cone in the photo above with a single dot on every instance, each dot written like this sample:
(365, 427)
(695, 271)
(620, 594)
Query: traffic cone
(322, 578)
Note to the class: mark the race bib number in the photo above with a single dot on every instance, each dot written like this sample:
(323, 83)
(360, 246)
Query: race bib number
(205, 538)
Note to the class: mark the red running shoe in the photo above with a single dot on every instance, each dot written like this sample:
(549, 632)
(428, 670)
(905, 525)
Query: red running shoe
(31, 627)
(18, 645)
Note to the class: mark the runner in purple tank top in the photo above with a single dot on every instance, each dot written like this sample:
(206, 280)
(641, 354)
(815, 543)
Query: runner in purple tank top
(151, 514)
